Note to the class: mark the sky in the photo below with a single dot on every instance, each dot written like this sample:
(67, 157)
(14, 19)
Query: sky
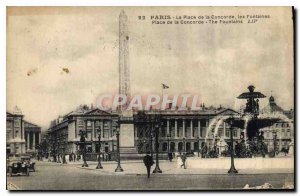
(61, 57)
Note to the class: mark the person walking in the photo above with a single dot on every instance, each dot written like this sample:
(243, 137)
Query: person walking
(74, 157)
(148, 161)
(70, 157)
(183, 159)
(170, 156)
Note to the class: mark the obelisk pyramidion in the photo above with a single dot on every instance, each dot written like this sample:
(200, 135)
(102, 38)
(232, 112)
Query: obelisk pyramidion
(126, 129)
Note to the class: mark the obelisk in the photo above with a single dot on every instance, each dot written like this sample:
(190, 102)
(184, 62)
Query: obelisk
(126, 129)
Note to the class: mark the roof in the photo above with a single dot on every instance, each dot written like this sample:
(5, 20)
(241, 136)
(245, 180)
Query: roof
(12, 114)
(29, 124)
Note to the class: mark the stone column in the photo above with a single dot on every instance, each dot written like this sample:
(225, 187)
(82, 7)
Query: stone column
(85, 127)
(33, 141)
(192, 131)
(102, 128)
(76, 129)
(22, 131)
(207, 124)
(23, 150)
(280, 138)
(224, 129)
(93, 138)
(109, 130)
(135, 131)
(93, 131)
(176, 131)
(199, 129)
(39, 137)
(168, 127)
(28, 140)
(183, 128)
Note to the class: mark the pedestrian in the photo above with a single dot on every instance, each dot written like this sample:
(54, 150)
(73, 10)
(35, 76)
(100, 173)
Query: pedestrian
(183, 159)
(64, 161)
(148, 161)
(70, 157)
(74, 157)
(170, 156)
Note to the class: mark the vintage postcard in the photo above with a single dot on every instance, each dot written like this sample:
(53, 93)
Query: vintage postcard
(150, 98)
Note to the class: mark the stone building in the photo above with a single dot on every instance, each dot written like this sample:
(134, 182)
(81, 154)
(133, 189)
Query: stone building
(21, 136)
(283, 129)
(64, 132)
(181, 130)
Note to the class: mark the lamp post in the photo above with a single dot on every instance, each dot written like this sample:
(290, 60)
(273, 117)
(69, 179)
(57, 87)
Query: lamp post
(99, 166)
(232, 169)
(82, 142)
(151, 143)
(144, 146)
(157, 169)
(119, 168)
(198, 149)
(184, 145)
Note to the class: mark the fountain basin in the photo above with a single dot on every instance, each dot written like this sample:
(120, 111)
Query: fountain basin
(240, 163)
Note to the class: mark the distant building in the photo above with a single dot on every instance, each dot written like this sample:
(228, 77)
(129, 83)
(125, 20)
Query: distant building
(21, 136)
(284, 129)
(182, 130)
(187, 130)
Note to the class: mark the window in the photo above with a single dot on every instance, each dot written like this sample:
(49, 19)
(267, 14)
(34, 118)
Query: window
(165, 147)
(227, 133)
(235, 133)
(17, 123)
(8, 124)
(88, 123)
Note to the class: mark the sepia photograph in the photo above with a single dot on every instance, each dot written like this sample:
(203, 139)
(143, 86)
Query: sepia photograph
(149, 98)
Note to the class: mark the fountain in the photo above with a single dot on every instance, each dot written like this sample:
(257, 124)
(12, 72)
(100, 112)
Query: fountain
(251, 120)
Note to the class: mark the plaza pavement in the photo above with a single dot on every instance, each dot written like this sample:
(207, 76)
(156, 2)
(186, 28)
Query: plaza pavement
(71, 176)
(138, 168)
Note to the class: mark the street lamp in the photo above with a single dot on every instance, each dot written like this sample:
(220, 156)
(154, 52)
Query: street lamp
(184, 145)
(99, 166)
(119, 168)
(157, 128)
(151, 143)
(198, 149)
(232, 169)
(83, 144)
(144, 146)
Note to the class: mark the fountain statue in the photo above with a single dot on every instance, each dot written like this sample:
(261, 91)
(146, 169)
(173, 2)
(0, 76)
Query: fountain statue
(251, 123)
(250, 120)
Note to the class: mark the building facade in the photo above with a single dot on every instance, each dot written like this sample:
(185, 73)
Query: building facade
(181, 130)
(21, 136)
(64, 132)
(282, 132)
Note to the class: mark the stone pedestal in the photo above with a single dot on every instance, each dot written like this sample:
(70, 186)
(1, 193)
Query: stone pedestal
(126, 135)
(127, 147)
